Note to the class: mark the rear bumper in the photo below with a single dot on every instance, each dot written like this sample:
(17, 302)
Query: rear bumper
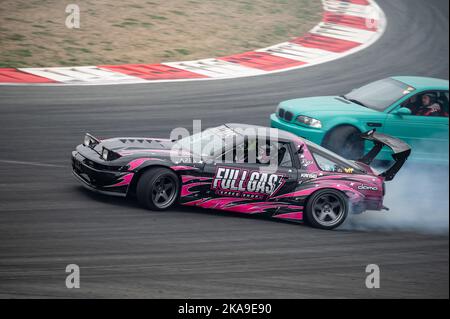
(107, 182)
(312, 134)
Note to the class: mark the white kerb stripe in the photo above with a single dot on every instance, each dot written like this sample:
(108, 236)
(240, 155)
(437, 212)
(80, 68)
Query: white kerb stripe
(343, 32)
(298, 52)
(215, 68)
(83, 74)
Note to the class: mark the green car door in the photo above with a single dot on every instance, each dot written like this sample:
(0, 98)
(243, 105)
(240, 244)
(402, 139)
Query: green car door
(428, 136)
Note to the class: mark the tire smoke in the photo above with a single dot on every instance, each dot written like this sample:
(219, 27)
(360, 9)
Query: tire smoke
(418, 199)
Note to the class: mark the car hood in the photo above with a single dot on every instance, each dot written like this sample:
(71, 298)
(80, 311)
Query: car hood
(137, 145)
(324, 104)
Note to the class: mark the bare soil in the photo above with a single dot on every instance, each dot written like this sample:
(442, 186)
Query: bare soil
(33, 32)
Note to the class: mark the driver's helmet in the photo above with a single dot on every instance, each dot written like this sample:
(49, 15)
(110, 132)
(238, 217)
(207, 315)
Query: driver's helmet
(432, 98)
(266, 153)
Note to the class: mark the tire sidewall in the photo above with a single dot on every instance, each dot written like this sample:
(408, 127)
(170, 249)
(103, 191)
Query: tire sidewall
(146, 185)
(309, 218)
(345, 141)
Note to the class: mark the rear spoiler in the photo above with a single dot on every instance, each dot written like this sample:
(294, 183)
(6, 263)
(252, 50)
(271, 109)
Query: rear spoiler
(401, 151)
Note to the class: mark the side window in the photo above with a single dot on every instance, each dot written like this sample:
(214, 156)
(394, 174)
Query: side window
(325, 164)
(276, 153)
(431, 103)
(285, 158)
(328, 165)
(240, 153)
(255, 152)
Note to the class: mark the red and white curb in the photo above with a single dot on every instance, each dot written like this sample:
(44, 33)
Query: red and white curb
(347, 26)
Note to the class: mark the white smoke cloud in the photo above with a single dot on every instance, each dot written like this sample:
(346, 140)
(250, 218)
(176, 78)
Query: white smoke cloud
(418, 199)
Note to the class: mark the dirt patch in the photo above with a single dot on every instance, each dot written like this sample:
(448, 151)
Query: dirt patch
(33, 32)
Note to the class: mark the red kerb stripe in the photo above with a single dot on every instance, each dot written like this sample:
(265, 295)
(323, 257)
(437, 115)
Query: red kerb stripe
(10, 75)
(262, 60)
(153, 71)
(350, 21)
(325, 43)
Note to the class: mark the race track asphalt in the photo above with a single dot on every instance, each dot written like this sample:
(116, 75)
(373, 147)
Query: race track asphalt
(48, 221)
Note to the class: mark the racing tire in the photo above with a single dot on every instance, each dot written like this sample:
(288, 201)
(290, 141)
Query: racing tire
(326, 209)
(345, 141)
(158, 189)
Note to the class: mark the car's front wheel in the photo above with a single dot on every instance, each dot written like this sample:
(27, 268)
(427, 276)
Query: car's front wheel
(158, 188)
(326, 209)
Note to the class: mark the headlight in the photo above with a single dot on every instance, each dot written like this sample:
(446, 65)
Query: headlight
(105, 154)
(108, 155)
(309, 121)
(87, 140)
(90, 141)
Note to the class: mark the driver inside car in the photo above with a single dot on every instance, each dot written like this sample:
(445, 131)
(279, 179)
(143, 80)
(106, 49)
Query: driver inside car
(429, 106)
(267, 153)
(263, 153)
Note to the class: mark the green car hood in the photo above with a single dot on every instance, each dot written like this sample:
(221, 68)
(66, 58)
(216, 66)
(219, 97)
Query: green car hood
(324, 105)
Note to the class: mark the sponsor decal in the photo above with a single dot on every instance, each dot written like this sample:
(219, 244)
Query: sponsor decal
(348, 170)
(308, 175)
(367, 188)
(305, 163)
(236, 182)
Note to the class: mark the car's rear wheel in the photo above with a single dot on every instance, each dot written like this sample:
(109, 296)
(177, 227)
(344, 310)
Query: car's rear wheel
(326, 209)
(158, 189)
(345, 141)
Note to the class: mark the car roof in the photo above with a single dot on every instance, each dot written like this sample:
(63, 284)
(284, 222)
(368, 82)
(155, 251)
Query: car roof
(282, 135)
(420, 82)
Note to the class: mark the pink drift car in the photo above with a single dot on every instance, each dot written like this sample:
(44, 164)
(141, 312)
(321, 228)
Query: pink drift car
(236, 173)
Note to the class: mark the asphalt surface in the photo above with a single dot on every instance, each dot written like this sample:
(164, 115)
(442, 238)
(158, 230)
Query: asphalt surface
(48, 221)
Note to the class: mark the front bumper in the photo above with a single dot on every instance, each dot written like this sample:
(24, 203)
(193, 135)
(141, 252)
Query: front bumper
(109, 182)
(312, 134)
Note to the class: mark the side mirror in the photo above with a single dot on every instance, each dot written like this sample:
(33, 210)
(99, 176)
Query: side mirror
(403, 111)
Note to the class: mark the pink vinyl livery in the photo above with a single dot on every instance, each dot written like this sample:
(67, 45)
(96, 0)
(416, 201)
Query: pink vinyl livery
(289, 178)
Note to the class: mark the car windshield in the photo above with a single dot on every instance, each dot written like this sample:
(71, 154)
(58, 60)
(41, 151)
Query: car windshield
(209, 143)
(379, 95)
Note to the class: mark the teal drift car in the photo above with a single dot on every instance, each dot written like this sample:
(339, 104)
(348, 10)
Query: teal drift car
(414, 109)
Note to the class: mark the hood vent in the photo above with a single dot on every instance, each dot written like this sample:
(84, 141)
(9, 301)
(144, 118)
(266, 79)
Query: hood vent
(138, 140)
